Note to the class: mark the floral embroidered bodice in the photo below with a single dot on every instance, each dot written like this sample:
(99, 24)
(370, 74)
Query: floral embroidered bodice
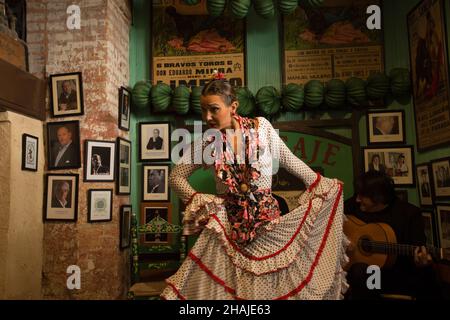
(244, 183)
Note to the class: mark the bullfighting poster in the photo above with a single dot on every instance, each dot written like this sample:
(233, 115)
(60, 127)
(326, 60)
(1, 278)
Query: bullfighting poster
(331, 42)
(188, 45)
(429, 74)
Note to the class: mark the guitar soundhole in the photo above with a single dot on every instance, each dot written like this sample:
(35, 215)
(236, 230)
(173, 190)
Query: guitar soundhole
(365, 245)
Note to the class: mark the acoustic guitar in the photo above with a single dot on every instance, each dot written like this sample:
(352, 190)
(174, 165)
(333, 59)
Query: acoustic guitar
(376, 244)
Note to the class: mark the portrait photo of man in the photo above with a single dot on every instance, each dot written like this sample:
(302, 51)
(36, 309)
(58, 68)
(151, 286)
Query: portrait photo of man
(97, 166)
(384, 125)
(66, 94)
(99, 158)
(67, 98)
(155, 142)
(61, 194)
(64, 145)
(156, 181)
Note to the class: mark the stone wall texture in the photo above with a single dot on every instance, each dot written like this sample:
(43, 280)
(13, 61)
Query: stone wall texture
(100, 51)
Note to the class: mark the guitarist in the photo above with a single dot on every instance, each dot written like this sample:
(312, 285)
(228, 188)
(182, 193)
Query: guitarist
(375, 202)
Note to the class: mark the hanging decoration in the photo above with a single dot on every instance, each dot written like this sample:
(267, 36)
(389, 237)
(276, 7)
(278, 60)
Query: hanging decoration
(264, 8)
(268, 101)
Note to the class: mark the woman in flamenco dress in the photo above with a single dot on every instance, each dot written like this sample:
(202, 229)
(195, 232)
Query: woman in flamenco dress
(246, 250)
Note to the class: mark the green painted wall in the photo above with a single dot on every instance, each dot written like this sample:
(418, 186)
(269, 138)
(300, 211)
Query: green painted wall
(397, 55)
(264, 68)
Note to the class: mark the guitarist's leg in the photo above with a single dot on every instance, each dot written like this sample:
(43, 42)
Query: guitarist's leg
(357, 279)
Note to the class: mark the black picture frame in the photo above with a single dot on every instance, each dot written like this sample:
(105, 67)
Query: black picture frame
(151, 175)
(54, 211)
(100, 203)
(30, 152)
(124, 108)
(388, 157)
(428, 103)
(123, 167)
(159, 150)
(126, 212)
(71, 158)
(440, 169)
(395, 127)
(57, 82)
(425, 186)
(443, 232)
(430, 226)
(95, 150)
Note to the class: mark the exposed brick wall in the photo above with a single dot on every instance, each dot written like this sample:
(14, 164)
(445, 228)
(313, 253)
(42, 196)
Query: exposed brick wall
(100, 51)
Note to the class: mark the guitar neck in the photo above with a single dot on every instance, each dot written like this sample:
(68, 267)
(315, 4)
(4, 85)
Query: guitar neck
(399, 249)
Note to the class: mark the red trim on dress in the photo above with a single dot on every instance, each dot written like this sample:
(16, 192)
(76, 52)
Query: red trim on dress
(214, 277)
(314, 184)
(272, 254)
(175, 290)
(191, 198)
(311, 270)
(319, 253)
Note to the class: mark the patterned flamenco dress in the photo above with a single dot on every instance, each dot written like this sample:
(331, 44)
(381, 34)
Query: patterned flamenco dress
(245, 249)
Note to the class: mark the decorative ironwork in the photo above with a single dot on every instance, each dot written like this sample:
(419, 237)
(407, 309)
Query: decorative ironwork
(159, 225)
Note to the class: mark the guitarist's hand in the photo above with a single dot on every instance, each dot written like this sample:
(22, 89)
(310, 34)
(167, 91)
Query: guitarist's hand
(421, 258)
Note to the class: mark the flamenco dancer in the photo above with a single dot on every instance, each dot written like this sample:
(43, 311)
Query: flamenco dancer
(246, 249)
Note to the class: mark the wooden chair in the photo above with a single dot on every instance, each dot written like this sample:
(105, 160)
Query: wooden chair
(151, 265)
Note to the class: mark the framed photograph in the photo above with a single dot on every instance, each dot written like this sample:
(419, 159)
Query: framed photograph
(397, 162)
(429, 74)
(61, 197)
(441, 177)
(123, 163)
(66, 94)
(386, 127)
(124, 108)
(63, 145)
(152, 213)
(125, 226)
(99, 205)
(443, 223)
(99, 157)
(428, 223)
(30, 148)
(154, 141)
(155, 180)
(424, 184)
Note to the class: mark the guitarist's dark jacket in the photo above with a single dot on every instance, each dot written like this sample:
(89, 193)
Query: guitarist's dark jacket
(407, 222)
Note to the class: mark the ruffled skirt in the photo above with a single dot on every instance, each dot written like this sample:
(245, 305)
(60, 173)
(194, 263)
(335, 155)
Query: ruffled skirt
(301, 256)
